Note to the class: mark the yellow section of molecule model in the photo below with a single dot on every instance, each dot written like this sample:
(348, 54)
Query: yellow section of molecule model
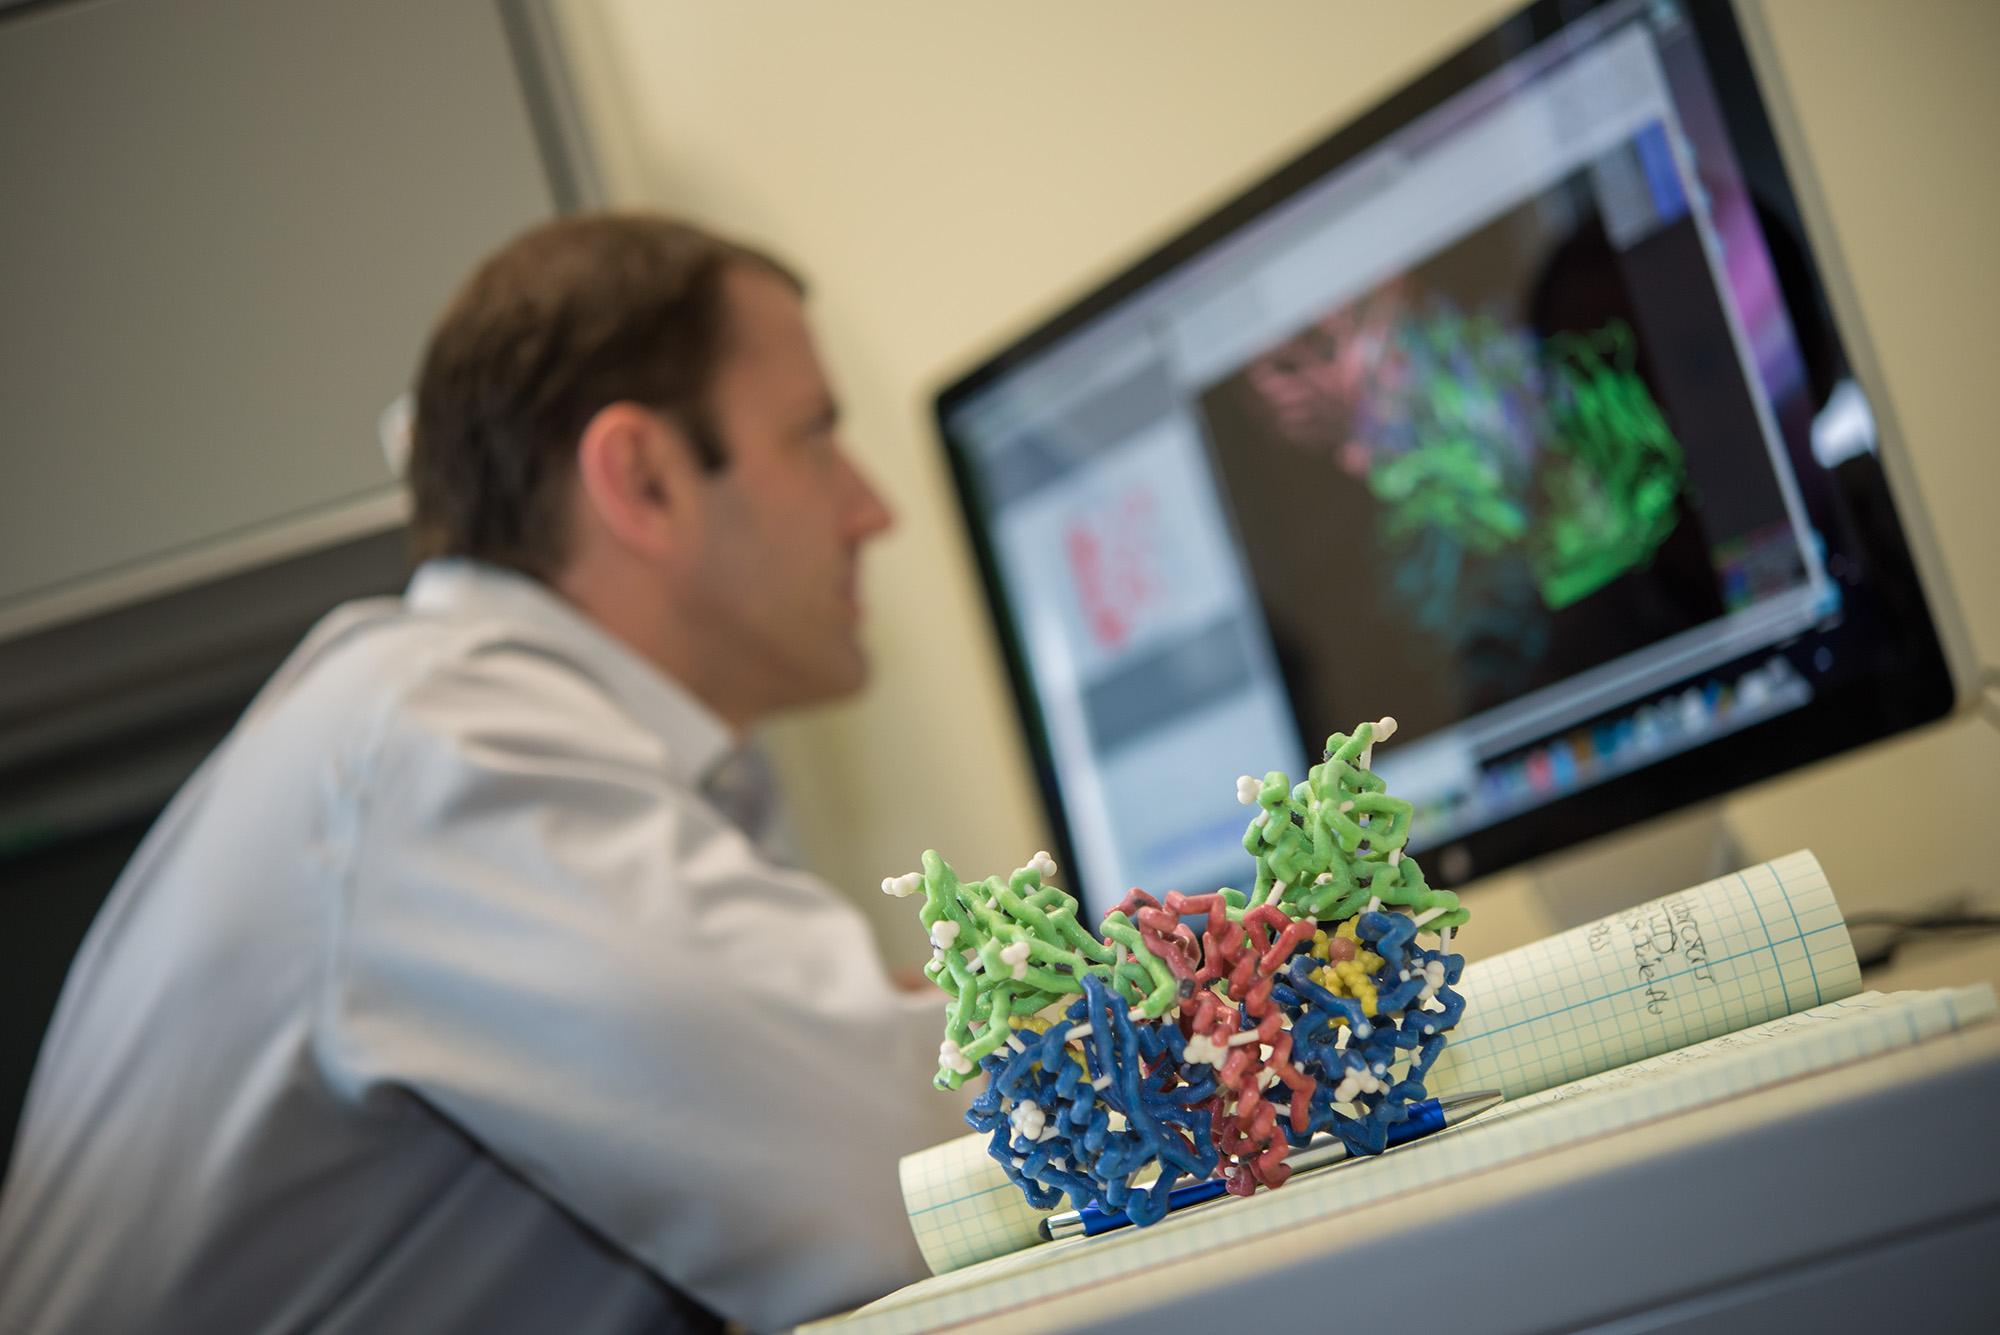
(1353, 976)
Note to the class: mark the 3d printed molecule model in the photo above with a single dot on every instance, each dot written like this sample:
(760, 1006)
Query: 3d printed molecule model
(1306, 1005)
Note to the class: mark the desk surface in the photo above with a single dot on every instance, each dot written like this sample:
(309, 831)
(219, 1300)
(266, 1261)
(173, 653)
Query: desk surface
(1865, 1189)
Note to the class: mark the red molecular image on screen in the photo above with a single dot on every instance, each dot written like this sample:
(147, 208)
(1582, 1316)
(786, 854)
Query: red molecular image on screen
(1112, 562)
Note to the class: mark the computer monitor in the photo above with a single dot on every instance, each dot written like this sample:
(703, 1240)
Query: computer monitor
(1514, 410)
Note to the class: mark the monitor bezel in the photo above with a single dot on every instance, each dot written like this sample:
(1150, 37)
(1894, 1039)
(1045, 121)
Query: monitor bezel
(1838, 719)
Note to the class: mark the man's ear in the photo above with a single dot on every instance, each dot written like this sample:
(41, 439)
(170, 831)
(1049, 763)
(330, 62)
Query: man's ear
(637, 478)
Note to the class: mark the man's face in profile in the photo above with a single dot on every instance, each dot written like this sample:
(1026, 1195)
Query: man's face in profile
(787, 516)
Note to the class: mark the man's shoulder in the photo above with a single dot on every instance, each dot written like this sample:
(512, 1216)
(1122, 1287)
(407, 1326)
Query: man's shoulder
(474, 645)
(440, 674)
(477, 659)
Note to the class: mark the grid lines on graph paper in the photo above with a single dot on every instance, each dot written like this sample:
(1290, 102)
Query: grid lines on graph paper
(1734, 952)
(962, 1207)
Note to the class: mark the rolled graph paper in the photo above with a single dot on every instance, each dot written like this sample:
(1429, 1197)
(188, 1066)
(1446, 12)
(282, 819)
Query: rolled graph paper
(1751, 946)
(962, 1207)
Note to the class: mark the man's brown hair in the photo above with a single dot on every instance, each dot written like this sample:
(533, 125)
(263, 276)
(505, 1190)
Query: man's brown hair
(569, 317)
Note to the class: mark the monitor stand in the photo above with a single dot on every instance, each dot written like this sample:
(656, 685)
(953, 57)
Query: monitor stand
(1668, 853)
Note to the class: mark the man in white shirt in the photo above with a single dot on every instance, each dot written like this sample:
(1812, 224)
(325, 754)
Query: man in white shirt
(444, 997)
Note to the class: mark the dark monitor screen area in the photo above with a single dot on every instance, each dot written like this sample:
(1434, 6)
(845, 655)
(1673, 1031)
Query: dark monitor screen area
(1515, 411)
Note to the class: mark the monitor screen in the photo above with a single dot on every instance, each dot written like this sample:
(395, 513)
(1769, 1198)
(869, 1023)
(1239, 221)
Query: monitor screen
(1513, 411)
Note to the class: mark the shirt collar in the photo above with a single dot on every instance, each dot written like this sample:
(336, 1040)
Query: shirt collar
(459, 588)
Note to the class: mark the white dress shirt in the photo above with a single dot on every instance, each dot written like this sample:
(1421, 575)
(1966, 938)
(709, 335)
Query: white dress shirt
(441, 999)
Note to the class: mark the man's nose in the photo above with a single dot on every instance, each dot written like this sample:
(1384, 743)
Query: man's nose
(867, 513)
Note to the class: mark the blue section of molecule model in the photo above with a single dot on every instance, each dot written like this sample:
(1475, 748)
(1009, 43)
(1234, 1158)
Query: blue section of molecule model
(1050, 1115)
(1357, 1073)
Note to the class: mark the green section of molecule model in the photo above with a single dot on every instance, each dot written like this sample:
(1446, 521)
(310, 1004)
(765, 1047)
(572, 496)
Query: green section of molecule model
(1328, 846)
(1007, 949)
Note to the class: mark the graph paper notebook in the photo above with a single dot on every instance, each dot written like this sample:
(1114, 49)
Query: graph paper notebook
(1738, 951)
(1656, 1087)
(1735, 952)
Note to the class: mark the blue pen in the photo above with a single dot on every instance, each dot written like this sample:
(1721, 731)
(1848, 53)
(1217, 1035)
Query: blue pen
(1427, 1116)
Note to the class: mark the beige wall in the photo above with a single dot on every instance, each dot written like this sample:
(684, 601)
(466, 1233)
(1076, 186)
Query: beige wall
(946, 173)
